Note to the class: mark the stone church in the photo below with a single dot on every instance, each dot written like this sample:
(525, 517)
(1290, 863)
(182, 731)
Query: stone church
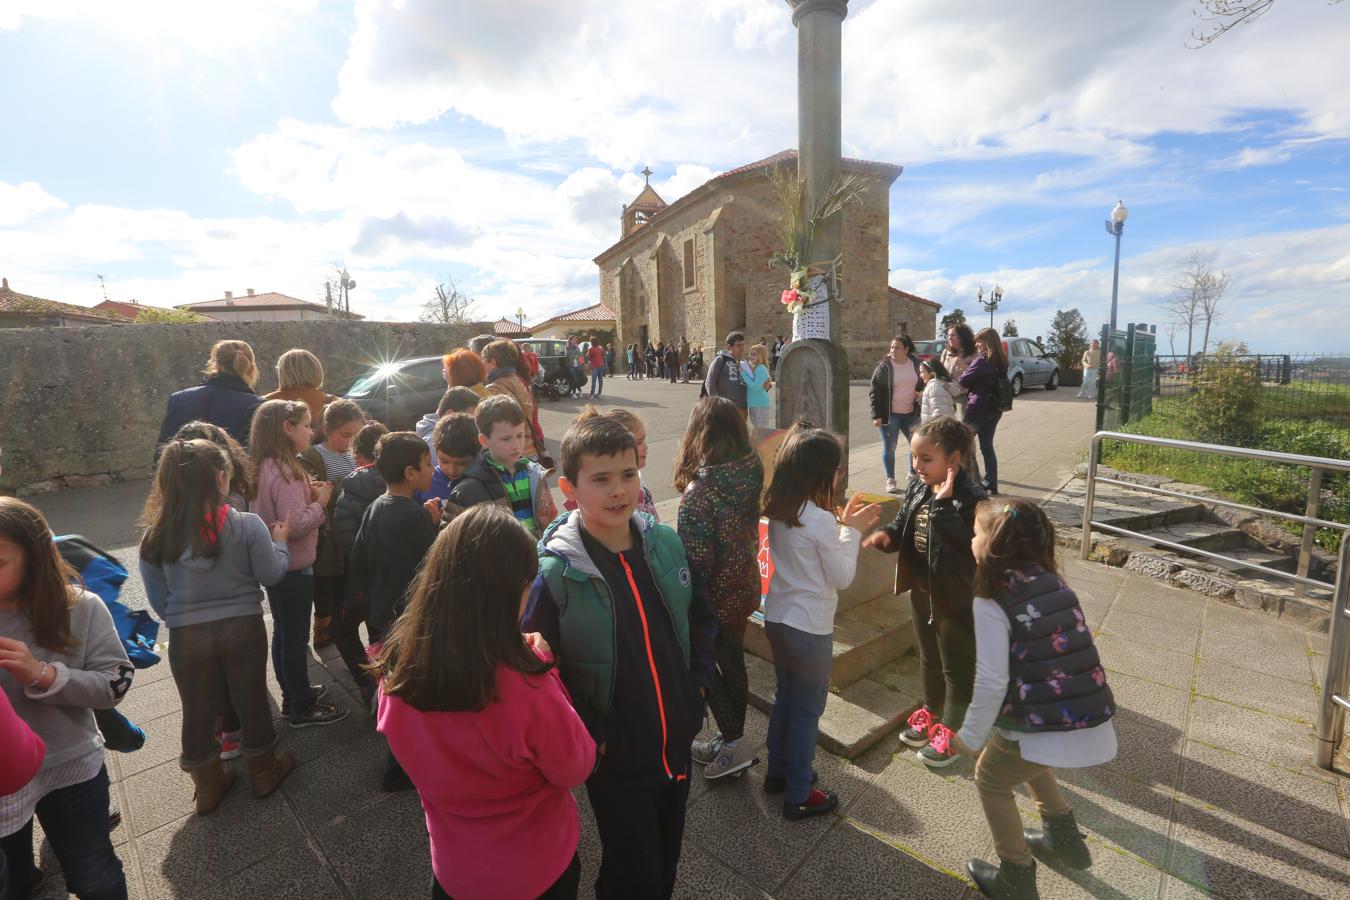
(698, 267)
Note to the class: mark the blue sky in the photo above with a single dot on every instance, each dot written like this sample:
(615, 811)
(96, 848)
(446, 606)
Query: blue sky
(182, 152)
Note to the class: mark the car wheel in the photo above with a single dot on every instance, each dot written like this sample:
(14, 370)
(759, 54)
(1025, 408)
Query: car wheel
(1017, 385)
(1053, 382)
(562, 384)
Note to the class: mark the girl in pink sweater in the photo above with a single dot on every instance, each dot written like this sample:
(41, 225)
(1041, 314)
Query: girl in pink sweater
(281, 429)
(479, 718)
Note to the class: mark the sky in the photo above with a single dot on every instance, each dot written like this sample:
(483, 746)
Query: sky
(180, 150)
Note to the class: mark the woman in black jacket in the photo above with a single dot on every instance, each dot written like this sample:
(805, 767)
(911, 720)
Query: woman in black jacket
(225, 398)
(982, 407)
(896, 411)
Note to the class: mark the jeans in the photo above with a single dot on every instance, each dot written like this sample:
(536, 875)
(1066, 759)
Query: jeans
(641, 833)
(292, 602)
(597, 381)
(984, 425)
(214, 662)
(801, 664)
(895, 426)
(946, 658)
(75, 820)
(730, 689)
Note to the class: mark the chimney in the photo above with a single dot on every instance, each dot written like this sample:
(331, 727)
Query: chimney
(4, 284)
(229, 295)
(250, 292)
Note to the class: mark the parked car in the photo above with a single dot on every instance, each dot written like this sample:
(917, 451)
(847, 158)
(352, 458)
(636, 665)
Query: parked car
(552, 362)
(1029, 365)
(930, 349)
(401, 392)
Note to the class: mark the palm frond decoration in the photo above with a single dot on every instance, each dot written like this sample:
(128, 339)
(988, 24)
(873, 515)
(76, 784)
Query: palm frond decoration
(796, 226)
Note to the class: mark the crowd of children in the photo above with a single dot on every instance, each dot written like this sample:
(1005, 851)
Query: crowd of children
(513, 652)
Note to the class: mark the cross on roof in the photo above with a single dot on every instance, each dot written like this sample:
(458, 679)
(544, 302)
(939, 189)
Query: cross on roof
(647, 173)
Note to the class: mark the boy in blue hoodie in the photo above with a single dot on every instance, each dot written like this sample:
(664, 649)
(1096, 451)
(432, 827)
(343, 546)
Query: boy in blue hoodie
(633, 635)
(454, 444)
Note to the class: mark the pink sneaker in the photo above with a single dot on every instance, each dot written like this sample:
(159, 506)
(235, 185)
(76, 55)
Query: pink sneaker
(916, 731)
(939, 753)
(229, 745)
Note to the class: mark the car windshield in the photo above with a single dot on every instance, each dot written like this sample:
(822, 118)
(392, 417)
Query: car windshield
(373, 379)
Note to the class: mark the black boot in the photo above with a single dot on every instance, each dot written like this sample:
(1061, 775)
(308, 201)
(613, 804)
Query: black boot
(1007, 881)
(1060, 843)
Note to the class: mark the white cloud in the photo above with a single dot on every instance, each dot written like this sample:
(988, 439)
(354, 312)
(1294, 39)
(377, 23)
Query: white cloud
(18, 204)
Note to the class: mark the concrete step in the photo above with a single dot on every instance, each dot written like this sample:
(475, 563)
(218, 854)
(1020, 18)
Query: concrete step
(857, 717)
(866, 638)
(1212, 536)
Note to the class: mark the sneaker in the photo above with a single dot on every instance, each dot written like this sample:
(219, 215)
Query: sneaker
(319, 714)
(229, 745)
(916, 730)
(704, 752)
(891, 487)
(819, 802)
(731, 760)
(318, 689)
(939, 753)
(774, 784)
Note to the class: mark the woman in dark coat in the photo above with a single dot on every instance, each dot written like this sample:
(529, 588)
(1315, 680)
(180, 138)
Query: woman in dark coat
(225, 398)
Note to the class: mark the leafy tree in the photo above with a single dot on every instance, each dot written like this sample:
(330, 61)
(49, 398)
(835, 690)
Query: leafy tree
(1225, 399)
(955, 317)
(150, 315)
(1010, 328)
(1068, 338)
(449, 306)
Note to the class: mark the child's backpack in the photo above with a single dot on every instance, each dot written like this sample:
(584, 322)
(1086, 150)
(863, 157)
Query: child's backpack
(104, 575)
(1005, 391)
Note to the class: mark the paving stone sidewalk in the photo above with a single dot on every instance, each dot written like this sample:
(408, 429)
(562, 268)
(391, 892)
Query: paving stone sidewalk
(1213, 793)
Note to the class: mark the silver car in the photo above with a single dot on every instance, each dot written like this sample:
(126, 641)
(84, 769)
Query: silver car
(1029, 365)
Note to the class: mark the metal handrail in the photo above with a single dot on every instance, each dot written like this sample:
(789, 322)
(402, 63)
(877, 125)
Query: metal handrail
(1331, 717)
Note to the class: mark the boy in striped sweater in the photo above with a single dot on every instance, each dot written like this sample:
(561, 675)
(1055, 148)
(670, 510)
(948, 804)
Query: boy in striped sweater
(501, 474)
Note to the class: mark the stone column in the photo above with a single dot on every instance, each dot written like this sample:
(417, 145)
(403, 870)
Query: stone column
(813, 374)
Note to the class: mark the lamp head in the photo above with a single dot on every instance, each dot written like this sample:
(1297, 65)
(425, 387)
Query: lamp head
(1119, 213)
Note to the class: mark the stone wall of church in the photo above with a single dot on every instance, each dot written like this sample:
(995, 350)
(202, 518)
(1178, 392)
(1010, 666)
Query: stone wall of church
(918, 320)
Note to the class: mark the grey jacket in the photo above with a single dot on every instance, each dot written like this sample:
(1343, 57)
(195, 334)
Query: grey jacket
(724, 379)
(193, 591)
(95, 674)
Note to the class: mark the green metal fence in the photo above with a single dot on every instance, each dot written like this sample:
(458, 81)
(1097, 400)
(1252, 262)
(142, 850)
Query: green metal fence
(1125, 376)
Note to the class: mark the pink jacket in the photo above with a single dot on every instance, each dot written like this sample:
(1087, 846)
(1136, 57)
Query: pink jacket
(278, 495)
(21, 750)
(496, 784)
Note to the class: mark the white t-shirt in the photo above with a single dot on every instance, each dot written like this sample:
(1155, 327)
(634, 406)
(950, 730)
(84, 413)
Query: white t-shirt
(811, 564)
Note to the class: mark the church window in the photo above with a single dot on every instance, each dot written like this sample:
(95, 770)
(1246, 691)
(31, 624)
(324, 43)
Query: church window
(689, 263)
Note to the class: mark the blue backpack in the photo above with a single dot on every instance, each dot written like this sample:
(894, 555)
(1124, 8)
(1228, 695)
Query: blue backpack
(104, 575)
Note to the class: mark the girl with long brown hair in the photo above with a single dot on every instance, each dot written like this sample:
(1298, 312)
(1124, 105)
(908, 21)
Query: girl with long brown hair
(721, 477)
(204, 565)
(815, 555)
(281, 431)
(61, 659)
(982, 406)
(478, 716)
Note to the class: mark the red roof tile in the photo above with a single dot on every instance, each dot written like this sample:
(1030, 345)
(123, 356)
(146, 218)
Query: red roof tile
(915, 297)
(506, 326)
(597, 312)
(14, 303)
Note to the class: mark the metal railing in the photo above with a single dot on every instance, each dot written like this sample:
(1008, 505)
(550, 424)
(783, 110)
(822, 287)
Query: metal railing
(1331, 716)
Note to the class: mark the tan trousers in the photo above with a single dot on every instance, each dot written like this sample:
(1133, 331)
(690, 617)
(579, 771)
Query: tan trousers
(999, 769)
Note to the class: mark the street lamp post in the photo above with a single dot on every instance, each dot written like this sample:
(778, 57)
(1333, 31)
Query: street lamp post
(990, 305)
(1116, 225)
(520, 316)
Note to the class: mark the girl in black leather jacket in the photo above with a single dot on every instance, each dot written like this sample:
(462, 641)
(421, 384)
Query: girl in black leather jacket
(932, 534)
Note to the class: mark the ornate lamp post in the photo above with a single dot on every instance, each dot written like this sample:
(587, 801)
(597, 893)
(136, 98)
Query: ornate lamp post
(520, 316)
(1116, 225)
(990, 305)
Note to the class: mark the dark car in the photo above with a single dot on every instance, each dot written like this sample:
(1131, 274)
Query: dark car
(552, 361)
(929, 349)
(401, 392)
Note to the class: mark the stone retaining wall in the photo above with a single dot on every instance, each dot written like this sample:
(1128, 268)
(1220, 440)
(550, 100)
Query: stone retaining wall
(81, 406)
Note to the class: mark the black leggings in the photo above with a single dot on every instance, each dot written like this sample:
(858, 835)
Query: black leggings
(730, 690)
(346, 635)
(946, 658)
(565, 888)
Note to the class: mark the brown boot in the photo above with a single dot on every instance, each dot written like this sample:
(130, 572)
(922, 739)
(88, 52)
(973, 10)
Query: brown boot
(212, 781)
(321, 636)
(266, 773)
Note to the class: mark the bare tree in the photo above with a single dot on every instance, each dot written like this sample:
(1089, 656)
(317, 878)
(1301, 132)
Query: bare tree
(449, 306)
(1222, 16)
(1197, 293)
(1170, 329)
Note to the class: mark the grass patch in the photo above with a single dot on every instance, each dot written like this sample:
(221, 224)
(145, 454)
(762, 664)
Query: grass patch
(1272, 486)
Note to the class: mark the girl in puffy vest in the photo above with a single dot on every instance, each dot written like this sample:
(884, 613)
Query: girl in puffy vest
(1041, 700)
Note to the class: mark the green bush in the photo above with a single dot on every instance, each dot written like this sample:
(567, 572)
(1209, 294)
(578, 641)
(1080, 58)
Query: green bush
(1225, 398)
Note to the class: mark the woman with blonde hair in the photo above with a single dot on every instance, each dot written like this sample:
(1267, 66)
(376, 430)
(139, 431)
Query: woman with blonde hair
(300, 377)
(755, 372)
(225, 397)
